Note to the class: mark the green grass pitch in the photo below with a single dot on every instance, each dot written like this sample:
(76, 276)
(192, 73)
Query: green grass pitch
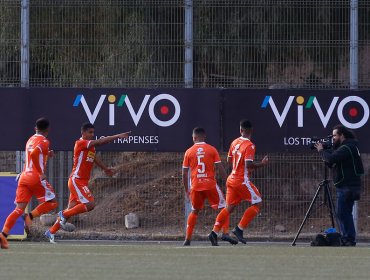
(169, 260)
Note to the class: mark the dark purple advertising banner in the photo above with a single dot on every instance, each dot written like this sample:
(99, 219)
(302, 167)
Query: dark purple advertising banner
(286, 120)
(160, 120)
(163, 119)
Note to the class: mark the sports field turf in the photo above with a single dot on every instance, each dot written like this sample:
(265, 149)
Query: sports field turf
(169, 260)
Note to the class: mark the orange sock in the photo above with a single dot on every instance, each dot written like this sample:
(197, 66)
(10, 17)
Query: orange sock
(43, 208)
(222, 217)
(12, 218)
(248, 216)
(192, 220)
(226, 225)
(55, 227)
(78, 209)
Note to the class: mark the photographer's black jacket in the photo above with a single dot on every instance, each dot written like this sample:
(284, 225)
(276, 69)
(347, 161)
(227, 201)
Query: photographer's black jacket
(346, 163)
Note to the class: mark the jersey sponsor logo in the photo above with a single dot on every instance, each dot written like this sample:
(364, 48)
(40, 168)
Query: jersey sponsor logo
(200, 151)
(352, 111)
(90, 156)
(163, 109)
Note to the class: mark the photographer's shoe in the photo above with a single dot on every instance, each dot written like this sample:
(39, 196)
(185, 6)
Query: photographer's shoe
(348, 243)
(239, 234)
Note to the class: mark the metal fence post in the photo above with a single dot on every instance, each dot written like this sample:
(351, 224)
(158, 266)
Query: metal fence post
(353, 66)
(188, 44)
(25, 43)
(188, 67)
(61, 181)
(25, 75)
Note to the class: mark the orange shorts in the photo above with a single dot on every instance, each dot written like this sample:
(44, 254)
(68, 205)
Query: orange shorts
(79, 191)
(238, 191)
(30, 185)
(214, 196)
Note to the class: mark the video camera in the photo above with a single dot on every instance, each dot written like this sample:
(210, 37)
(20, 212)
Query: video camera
(327, 142)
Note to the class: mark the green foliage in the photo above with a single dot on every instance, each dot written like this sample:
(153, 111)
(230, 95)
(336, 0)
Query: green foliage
(9, 43)
(114, 43)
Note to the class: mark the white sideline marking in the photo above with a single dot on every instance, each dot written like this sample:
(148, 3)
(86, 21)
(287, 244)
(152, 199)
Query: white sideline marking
(171, 244)
(155, 254)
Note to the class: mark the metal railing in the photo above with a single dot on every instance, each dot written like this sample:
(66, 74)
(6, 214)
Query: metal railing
(149, 185)
(234, 44)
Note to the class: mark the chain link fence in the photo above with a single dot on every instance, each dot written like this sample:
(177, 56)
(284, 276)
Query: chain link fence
(244, 44)
(149, 185)
(236, 44)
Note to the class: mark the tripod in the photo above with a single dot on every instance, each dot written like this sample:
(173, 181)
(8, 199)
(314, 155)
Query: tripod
(328, 201)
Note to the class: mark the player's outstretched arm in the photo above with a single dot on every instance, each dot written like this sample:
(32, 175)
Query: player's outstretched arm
(229, 161)
(109, 171)
(221, 170)
(255, 165)
(185, 182)
(108, 139)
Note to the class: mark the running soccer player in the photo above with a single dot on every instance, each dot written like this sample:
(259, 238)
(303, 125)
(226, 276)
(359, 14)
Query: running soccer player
(202, 159)
(32, 182)
(81, 199)
(238, 184)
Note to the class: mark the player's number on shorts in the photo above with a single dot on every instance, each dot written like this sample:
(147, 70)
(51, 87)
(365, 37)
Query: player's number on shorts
(86, 189)
(202, 165)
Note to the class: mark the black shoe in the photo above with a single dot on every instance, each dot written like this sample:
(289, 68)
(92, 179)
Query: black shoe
(228, 238)
(348, 243)
(213, 238)
(186, 243)
(239, 234)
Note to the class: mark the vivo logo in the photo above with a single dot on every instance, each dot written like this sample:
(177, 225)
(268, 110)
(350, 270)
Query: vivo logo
(324, 116)
(93, 111)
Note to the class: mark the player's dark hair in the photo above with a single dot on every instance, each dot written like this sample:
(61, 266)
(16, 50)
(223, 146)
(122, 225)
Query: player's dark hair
(42, 124)
(199, 131)
(342, 130)
(245, 124)
(86, 126)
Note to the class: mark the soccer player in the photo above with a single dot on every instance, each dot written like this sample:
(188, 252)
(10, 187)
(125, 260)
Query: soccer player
(81, 199)
(202, 159)
(32, 182)
(238, 184)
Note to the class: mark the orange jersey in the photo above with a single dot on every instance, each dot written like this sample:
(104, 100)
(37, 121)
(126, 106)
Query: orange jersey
(37, 151)
(83, 159)
(241, 150)
(201, 159)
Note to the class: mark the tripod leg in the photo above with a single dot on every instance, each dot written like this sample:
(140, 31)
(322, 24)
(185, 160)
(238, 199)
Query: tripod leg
(332, 208)
(329, 202)
(307, 213)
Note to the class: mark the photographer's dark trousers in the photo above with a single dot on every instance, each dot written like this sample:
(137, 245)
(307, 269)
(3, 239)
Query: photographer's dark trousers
(346, 196)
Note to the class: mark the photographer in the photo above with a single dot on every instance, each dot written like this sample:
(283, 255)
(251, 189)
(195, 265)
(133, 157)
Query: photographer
(347, 166)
